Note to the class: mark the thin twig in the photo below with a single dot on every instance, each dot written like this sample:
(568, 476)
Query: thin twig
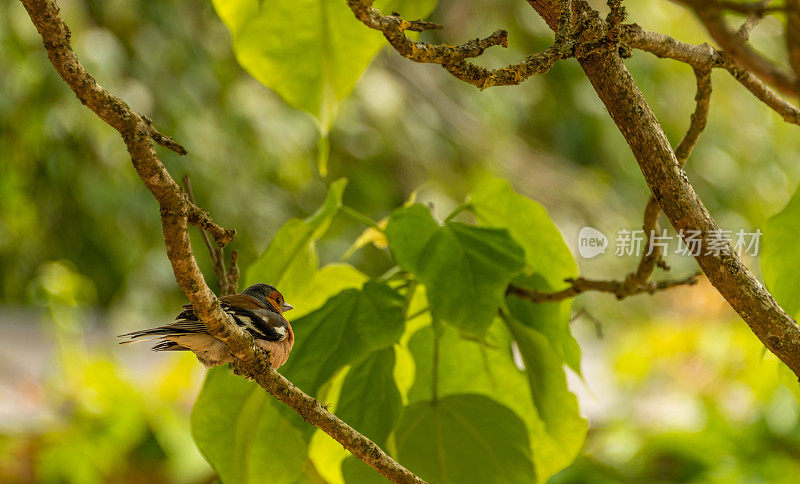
(710, 15)
(454, 58)
(793, 37)
(704, 57)
(620, 289)
(228, 283)
(751, 22)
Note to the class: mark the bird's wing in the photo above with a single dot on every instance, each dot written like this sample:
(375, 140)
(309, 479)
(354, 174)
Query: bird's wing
(258, 322)
(240, 300)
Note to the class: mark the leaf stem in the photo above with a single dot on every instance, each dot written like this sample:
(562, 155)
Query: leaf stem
(437, 332)
(457, 210)
(360, 217)
(418, 313)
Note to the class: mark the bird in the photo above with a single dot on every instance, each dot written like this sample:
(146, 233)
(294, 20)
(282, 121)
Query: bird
(258, 310)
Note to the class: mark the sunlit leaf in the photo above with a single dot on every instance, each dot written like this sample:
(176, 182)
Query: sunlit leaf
(488, 368)
(496, 204)
(326, 453)
(326, 283)
(555, 404)
(290, 260)
(346, 329)
(370, 401)
(377, 237)
(548, 260)
(465, 438)
(311, 52)
(243, 433)
(780, 258)
(357, 472)
(465, 269)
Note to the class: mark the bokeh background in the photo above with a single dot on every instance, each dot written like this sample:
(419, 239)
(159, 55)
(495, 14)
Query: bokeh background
(676, 388)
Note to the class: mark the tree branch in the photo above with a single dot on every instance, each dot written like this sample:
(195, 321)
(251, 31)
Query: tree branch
(177, 211)
(454, 58)
(710, 14)
(670, 186)
(697, 125)
(793, 38)
(620, 289)
(704, 57)
(753, 19)
(638, 282)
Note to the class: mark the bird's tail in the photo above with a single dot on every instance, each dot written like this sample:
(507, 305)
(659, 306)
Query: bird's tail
(178, 328)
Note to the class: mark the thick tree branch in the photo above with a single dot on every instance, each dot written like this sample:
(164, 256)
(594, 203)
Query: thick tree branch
(638, 282)
(671, 187)
(177, 211)
(699, 119)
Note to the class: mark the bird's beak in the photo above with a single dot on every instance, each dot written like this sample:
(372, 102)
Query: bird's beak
(286, 306)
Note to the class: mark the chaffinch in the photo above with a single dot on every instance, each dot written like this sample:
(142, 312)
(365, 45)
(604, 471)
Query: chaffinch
(258, 309)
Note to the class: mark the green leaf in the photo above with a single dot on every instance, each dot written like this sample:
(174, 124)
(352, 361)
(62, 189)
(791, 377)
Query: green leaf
(311, 52)
(355, 471)
(465, 269)
(488, 368)
(780, 258)
(326, 283)
(345, 330)
(556, 406)
(496, 204)
(243, 433)
(370, 401)
(465, 438)
(548, 260)
(290, 260)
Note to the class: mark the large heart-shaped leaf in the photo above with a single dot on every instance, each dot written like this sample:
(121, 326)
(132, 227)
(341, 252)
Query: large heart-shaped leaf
(488, 368)
(548, 260)
(556, 405)
(465, 269)
(244, 433)
(496, 204)
(465, 438)
(311, 52)
(370, 401)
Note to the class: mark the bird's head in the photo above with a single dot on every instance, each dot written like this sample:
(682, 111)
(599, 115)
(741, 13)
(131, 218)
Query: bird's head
(268, 296)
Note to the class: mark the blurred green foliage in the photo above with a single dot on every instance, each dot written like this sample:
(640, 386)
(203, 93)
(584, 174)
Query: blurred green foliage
(68, 194)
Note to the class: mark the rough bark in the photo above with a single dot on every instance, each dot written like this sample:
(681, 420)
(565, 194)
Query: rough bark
(177, 212)
(671, 187)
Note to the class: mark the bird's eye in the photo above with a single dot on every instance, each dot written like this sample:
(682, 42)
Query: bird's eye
(278, 300)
